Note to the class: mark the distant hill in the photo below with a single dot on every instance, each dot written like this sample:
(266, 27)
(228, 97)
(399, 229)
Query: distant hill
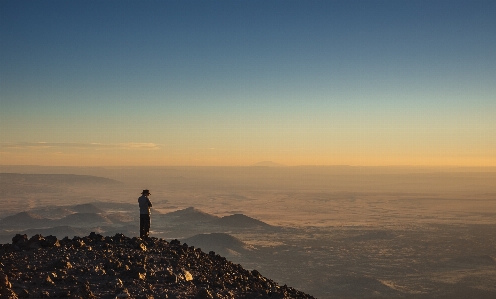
(53, 212)
(192, 215)
(53, 179)
(86, 208)
(24, 220)
(122, 217)
(268, 164)
(116, 206)
(216, 239)
(240, 221)
(83, 219)
(221, 243)
(189, 215)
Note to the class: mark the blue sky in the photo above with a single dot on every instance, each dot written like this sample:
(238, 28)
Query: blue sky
(235, 82)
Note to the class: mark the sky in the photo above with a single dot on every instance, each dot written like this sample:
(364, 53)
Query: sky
(233, 83)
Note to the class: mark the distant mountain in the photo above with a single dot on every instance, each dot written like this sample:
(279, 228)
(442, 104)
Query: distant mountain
(240, 221)
(221, 243)
(24, 220)
(83, 220)
(5, 237)
(122, 217)
(189, 215)
(116, 206)
(54, 179)
(30, 220)
(268, 164)
(53, 212)
(86, 208)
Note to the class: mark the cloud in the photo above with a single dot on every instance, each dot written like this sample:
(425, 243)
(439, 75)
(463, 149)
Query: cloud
(78, 145)
(134, 145)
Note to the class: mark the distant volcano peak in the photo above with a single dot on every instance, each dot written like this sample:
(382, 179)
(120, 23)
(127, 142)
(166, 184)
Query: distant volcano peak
(268, 164)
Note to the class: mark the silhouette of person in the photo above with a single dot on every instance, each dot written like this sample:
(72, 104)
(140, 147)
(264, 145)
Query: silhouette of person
(144, 204)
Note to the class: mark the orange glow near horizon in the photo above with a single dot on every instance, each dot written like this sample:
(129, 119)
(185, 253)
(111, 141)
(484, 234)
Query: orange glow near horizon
(159, 158)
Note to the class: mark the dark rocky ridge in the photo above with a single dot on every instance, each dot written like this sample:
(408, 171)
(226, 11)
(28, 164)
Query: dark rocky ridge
(120, 267)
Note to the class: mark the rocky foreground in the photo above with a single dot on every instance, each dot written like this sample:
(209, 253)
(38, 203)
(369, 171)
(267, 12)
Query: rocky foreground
(120, 267)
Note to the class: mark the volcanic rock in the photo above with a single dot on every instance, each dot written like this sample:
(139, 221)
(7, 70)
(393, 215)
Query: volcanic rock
(6, 287)
(58, 231)
(120, 267)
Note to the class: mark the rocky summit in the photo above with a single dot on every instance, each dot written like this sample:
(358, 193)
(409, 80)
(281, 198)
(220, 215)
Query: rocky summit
(121, 267)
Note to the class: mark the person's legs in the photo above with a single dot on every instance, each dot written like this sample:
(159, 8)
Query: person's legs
(147, 225)
(142, 225)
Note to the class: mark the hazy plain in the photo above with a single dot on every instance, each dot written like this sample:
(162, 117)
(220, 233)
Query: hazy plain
(335, 232)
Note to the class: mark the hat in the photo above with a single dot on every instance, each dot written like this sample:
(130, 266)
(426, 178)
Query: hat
(146, 191)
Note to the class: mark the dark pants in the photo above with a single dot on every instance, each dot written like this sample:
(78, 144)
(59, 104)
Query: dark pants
(144, 225)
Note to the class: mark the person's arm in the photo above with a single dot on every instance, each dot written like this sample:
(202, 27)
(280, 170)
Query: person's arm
(149, 203)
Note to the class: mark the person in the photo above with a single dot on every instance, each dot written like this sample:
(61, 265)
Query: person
(144, 204)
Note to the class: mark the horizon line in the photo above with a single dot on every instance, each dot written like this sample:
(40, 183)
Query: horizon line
(257, 166)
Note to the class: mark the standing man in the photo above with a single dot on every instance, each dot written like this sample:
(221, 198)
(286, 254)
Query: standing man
(144, 205)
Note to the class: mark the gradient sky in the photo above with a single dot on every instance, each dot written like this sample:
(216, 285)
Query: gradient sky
(238, 82)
